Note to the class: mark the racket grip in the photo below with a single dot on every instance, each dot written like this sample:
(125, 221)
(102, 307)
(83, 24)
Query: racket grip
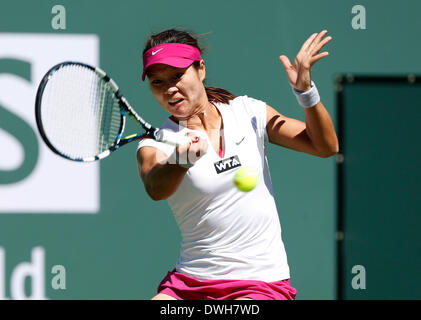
(172, 138)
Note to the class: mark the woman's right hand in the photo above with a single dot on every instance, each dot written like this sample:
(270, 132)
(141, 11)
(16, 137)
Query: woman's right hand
(192, 151)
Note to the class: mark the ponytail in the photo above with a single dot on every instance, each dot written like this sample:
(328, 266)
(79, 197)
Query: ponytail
(219, 95)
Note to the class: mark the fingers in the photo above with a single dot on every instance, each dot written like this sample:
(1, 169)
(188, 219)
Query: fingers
(182, 149)
(317, 47)
(308, 42)
(285, 61)
(192, 151)
(290, 70)
(194, 137)
(309, 53)
(318, 57)
(198, 149)
(316, 40)
(314, 43)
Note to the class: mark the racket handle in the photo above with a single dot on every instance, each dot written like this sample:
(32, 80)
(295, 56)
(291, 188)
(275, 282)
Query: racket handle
(172, 138)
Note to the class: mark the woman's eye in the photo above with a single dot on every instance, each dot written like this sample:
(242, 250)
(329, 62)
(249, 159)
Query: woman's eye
(156, 82)
(179, 75)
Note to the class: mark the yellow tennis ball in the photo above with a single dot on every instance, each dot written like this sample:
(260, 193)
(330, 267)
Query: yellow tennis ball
(245, 179)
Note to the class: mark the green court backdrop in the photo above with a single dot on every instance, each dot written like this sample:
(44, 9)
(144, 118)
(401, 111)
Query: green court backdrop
(127, 247)
(379, 183)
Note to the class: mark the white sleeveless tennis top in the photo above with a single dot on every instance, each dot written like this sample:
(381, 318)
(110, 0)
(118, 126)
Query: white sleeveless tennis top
(227, 233)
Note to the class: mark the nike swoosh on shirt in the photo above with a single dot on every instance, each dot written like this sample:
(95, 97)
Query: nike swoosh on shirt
(240, 141)
(155, 52)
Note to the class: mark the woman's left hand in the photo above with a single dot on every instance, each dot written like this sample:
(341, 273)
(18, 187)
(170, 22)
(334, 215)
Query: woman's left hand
(299, 73)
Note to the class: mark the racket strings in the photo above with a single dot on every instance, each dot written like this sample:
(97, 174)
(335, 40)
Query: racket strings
(80, 114)
(108, 116)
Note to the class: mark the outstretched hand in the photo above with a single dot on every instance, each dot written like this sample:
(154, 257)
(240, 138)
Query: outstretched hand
(298, 74)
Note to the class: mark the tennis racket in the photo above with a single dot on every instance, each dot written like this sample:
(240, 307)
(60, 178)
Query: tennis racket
(81, 114)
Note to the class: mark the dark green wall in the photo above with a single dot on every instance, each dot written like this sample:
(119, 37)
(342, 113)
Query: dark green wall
(127, 248)
(380, 184)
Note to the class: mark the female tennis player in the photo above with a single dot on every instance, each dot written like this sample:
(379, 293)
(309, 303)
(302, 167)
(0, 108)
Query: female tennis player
(231, 240)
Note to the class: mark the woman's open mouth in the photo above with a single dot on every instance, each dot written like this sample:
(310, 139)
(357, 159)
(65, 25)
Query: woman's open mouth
(176, 102)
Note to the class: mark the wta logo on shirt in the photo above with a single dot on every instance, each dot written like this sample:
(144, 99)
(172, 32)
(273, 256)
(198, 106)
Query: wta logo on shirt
(227, 164)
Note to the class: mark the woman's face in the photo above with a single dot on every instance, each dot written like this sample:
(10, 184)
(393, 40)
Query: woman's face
(179, 90)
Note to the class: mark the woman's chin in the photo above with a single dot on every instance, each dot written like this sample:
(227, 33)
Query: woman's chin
(181, 114)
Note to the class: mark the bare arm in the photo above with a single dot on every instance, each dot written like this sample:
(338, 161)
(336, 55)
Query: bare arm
(317, 135)
(296, 135)
(160, 180)
(320, 129)
(161, 177)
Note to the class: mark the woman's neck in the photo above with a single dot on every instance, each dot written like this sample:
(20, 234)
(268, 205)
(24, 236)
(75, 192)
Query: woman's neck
(206, 119)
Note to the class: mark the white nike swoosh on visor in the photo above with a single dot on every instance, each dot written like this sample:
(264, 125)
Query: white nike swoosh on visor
(155, 52)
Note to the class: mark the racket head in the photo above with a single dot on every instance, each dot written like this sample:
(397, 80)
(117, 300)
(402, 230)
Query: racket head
(78, 112)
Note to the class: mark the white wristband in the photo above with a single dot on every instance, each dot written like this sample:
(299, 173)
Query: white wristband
(309, 98)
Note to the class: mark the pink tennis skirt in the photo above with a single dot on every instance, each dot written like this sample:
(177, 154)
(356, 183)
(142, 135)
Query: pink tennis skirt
(186, 287)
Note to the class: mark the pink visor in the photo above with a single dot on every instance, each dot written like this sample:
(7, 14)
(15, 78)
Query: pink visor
(173, 54)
